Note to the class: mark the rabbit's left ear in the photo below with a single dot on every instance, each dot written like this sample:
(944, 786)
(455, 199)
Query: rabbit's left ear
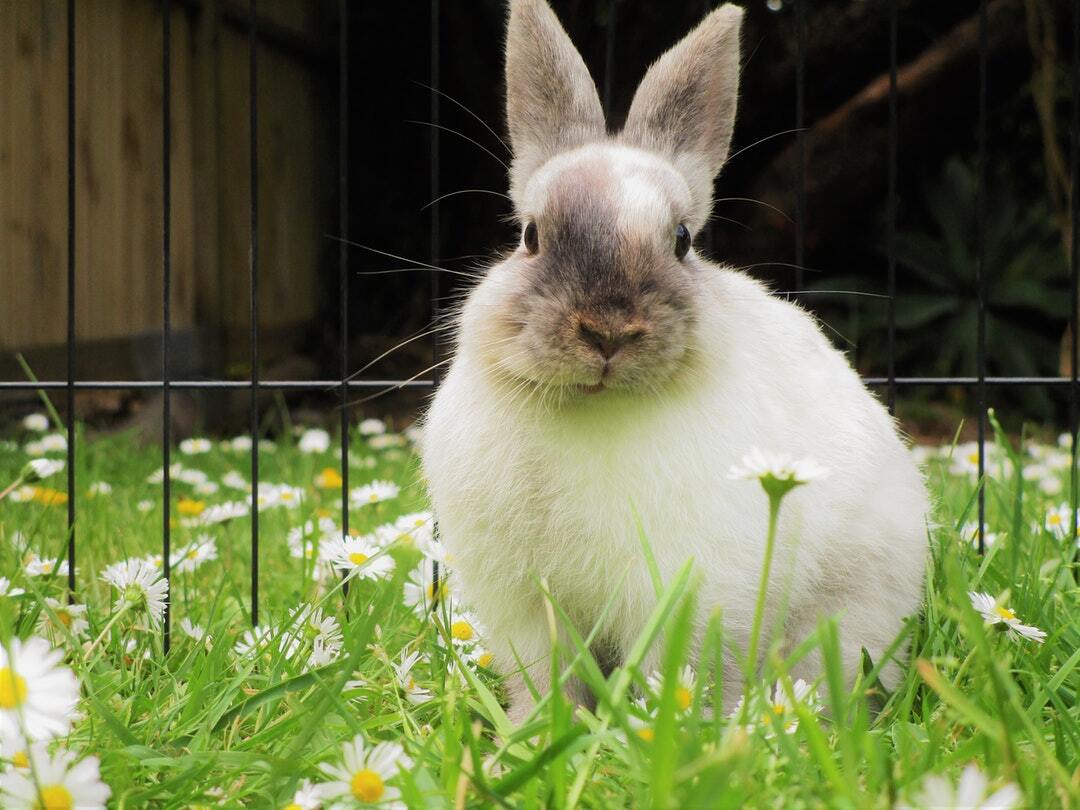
(684, 108)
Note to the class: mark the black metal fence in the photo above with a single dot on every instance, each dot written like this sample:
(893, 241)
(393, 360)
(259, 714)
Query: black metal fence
(891, 383)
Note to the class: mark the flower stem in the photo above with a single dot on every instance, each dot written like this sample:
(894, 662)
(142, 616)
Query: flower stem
(763, 587)
(107, 628)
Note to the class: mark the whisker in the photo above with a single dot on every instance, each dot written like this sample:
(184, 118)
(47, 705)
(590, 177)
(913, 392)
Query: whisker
(405, 342)
(766, 138)
(475, 143)
(483, 123)
(464, 273)
(400, 385)
(466, 191)
(781, 264)
(756, 202)
(416, 262)
(831, 292)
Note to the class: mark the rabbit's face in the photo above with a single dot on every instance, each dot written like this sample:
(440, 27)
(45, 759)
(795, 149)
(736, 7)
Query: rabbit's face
(600, 292)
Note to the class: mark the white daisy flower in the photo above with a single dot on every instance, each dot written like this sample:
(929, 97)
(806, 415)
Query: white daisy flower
(7, 590)
(1051, 485)
(192, 477)
(971, 793)
(776, 470)
(23, 494)
(684, 689)
(320, 632)
(375, 492)
(70, 619)
(99, 488)
(1059, 521)
(234, 480)
(54, 443)
(362, 775)
(420, 589)
(314, 440)
(34, 449)
(35, 422)
(194, 631)
(303, 540)
(640, 721)
(995, 614)
(414, 693)
(196, 446)
(372, 427)
(306, 797)
(55, 782)
(386, 441)
(206, 488)
(221, 513)
(141, 588)
(253, 642)
(465, 628)
(35, 684)
(239, 444)
(356, 556)
(969, 533)
(776, 709)
(145, 506)
(479, 656)
(158, 475)
(1065, 441)
(187, 558)
(39, 469)
(42, 567)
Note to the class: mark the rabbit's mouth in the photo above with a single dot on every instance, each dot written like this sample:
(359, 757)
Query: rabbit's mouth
(595, 388)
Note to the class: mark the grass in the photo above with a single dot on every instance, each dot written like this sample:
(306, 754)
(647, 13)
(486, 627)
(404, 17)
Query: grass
(204, 725)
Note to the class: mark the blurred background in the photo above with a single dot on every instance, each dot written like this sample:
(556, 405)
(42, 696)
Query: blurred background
(390, 189)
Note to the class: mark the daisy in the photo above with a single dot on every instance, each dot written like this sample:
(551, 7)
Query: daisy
(777, 473)
(192, 477)
(39, 567)
(234, 480)
(479, 656)
(141, 588)
(372, 427)
(207, 488)
(969, 533)
(56, 781)
(995, 614)
(36, 422)
(640, 721)
(420, 590)
(223, 512)
(189, 507)
(375, 492)
(323, 632)
(39, 469)
(414, 693)
(189, 557)
(38, 694)
(196, 446)
(238, 444)
(363, 773)
(69, 619)
(356, 556)
(54, 443)
(1059, 521)
(970, 793)
(465, 628)
(23, 494)
(158, 475)
(7, 590)
(99, 488)
(306, 797)
(195, 632)
(314, 441)
(253, 642)
(386, 441)
(1051, 485)
(777, 709)
(684, 688)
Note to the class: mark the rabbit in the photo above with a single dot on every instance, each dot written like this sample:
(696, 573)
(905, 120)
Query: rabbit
(606, 377)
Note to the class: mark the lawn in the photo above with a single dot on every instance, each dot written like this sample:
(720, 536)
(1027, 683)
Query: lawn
(361, 692)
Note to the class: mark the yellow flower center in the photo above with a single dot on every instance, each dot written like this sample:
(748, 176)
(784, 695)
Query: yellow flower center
(485, 660)
(357, 558)
(973, 458)
(293, 806)
(193, 554)
(367, 786)
(646, 733)
(63, 617)
(47, 567)
(20, 760)
(1054, 519)
(373, 498)
(406, 539)
(12, 689)
(286, 496)
(462, 630)
(55, 797)
(1005, 613)
(187, 506)
(683, 697)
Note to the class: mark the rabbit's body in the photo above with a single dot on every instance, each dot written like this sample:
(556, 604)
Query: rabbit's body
(606, 378)
(524, 491)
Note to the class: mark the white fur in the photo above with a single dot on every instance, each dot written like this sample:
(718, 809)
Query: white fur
(522, 493)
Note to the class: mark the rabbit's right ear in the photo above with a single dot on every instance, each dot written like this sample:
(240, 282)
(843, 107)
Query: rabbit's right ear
(551, 100)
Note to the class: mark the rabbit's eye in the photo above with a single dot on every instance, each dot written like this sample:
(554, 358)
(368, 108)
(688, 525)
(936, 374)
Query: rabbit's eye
(530, 238)
(682, 241)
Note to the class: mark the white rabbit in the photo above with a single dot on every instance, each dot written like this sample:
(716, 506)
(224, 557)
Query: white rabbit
(604, 370)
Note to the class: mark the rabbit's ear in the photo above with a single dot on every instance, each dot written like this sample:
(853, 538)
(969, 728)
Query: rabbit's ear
(551, 101)
(684, 108)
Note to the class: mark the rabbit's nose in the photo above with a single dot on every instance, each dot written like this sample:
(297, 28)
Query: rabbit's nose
(608, 340)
